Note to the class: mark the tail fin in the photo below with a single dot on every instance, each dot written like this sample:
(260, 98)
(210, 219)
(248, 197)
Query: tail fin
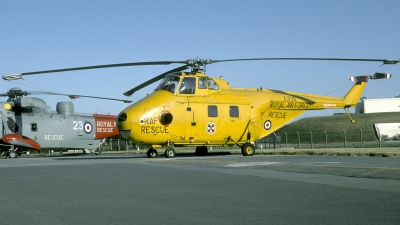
(355, 92)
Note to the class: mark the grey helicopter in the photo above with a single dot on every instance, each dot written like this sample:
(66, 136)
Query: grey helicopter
(28, 124)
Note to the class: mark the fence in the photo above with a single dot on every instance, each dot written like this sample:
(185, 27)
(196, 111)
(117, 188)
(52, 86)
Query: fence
(325, 139)
(356, 138)
(117, 145)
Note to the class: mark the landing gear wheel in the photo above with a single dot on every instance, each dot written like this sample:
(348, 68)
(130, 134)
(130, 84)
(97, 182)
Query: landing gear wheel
(12, 154)
(201, 151)
(248, 149)
(170, 153)
(152, 153)
(97, 152)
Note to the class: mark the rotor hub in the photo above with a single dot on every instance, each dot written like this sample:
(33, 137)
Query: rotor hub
(16, 92)
(198, 65)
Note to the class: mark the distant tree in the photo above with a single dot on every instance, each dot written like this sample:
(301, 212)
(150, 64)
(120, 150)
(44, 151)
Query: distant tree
(396, 137)
(384, 137)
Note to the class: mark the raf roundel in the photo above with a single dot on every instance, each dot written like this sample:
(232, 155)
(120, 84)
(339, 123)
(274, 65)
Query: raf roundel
(267, 124)
(211, 128)
(88, 127)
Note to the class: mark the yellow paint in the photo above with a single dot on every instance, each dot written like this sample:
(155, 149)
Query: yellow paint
(7, 106)
(208, 117)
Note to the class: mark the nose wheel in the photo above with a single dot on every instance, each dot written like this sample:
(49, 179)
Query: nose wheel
(13, 153)
(170, 153)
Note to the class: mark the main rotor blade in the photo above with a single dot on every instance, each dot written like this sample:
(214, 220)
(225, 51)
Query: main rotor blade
(384, 61)
(80, 96)
(154, 79)
(192, 63)
(17, 76)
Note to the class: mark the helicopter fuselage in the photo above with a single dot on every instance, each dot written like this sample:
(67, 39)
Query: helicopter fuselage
(198, 110)
(63, 129)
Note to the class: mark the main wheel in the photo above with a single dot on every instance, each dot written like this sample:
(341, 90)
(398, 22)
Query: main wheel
(170, 153)
(152, 153)
(248, 149)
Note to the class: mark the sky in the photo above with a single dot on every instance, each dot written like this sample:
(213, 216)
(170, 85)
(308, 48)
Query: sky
(45, 35)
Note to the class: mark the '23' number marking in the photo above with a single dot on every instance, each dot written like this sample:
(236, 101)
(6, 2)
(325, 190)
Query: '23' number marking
(78, 125)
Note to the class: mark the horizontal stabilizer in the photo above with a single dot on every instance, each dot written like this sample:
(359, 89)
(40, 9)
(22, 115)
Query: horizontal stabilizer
(365, 78)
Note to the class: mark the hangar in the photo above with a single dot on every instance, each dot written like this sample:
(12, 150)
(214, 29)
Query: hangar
(387, 131)
(378, 105)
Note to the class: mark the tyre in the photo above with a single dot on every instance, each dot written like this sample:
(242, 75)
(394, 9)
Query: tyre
(248, 149)
(12, 154)
(170, 153)
(152, 153)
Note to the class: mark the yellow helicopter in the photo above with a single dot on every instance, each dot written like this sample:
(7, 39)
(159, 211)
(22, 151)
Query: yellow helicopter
(194, 109)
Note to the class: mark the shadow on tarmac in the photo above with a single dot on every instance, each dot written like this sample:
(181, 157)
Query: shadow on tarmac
(80, 156)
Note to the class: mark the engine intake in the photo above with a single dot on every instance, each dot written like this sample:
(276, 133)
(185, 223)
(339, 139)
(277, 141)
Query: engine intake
(165, 118)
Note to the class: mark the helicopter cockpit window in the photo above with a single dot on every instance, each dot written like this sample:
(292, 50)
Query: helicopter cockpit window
(169, 84)
(188, 85)
(212, 85)
(202, 83)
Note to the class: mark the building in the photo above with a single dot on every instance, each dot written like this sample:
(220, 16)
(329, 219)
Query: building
(385, 131)
(378, 105)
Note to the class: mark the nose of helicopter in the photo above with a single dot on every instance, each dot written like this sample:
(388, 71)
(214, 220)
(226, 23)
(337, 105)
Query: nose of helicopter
(131, 120)
(124, 126)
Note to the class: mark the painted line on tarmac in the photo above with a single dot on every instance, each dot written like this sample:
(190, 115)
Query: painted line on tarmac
(248, 164)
